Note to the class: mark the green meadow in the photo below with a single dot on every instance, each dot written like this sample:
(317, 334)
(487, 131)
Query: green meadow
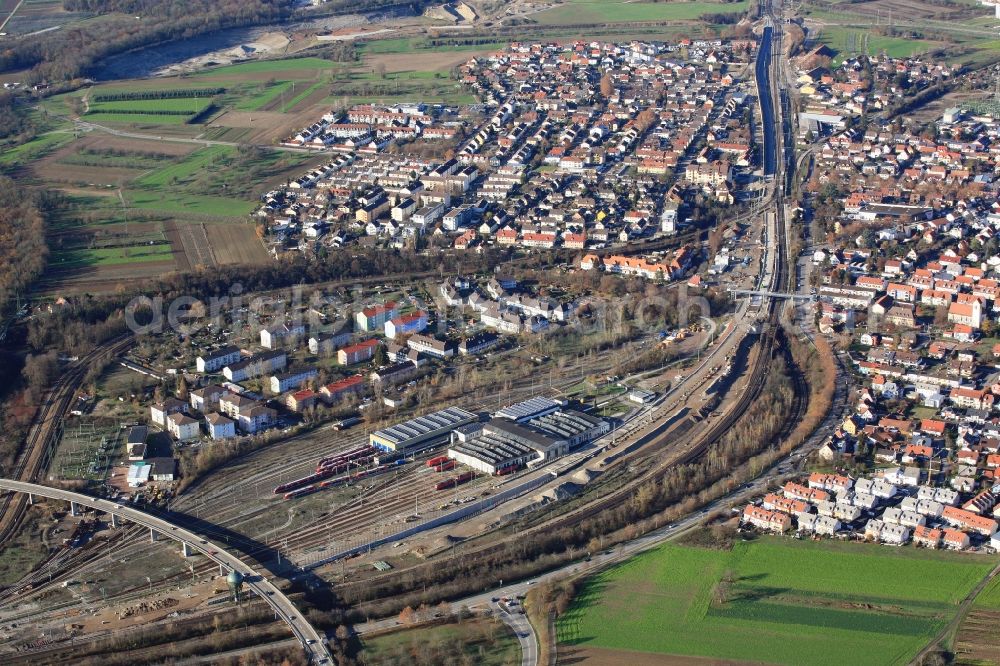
(784, 601)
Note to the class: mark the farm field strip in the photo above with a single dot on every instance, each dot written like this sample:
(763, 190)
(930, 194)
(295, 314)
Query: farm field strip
(603, 12)
(990, 596)
(194, 241)
(172, 202)
(307, 67)
(184, 168)
(189, 105)
(839, 39)
(149, 120)
(263, 98)
(786, 602)
(36, 148)
(109, 161)
(236, 244)
(292, 103)
(63, 259)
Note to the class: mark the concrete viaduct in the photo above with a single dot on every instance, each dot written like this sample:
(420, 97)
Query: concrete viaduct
(312, 641)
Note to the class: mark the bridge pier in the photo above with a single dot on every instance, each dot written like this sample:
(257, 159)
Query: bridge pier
(185, 549)
(153, 535)
(114, 520)
(72, 508)
(31, 499)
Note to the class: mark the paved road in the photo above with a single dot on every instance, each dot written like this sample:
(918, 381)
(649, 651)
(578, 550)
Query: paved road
(311, 640)
(518, 623)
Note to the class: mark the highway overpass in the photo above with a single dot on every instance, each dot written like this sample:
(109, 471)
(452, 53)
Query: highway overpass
(311, 640)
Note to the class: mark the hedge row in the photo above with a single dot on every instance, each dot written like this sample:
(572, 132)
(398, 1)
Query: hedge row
(158, 94)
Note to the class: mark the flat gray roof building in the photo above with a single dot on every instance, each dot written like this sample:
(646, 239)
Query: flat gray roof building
(418, 430)
(521, 411)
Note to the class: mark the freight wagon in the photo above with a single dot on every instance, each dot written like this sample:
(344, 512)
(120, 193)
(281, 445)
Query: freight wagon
(464, 477)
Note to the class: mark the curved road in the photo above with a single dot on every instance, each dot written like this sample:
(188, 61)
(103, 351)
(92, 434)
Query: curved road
(311, 640)
(522, 628)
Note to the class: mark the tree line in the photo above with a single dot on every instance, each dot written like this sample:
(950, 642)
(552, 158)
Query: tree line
(23, 251)
(148, 112)
(134, 95)
(16, 122)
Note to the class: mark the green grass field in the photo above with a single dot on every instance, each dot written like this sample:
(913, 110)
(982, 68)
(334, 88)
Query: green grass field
(848, 41)
(293, 102)
(137, 118)
(305, 67)
(264, 97)
(363, 86)
(190, 105)
(179, 171)
(177, 202)
(38, 147)
(990, 596)
(791, 602)
(603, 11)
(224, 171)
(112, 256)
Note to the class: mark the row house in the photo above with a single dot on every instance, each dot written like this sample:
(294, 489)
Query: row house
(772, 521)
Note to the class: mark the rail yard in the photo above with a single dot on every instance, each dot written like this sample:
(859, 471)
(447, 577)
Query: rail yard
(343, 444)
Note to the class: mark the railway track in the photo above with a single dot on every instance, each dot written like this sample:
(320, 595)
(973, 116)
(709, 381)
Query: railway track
(761, 360)
(769, 344)
(44, 434)
(231, 514)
